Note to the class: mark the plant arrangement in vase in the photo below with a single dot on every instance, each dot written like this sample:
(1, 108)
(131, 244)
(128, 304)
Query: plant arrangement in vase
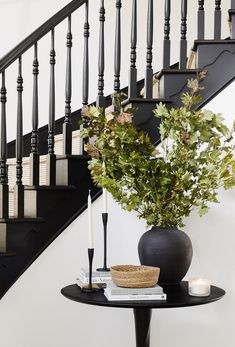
(163, 184)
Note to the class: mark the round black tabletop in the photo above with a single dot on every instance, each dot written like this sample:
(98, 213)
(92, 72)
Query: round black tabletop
(177, 296)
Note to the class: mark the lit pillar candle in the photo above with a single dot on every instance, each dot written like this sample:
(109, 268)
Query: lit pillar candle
(90, 226)
(199, 287)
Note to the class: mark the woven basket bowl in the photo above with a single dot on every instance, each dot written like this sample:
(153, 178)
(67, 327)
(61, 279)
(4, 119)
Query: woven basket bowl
(134, 276)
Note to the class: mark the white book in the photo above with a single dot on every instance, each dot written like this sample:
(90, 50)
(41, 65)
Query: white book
(85, 273)
(84, 279)
(137, 297)
(113, 289)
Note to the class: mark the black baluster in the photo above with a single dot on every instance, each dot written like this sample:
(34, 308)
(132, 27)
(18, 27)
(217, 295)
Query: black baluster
(85, 86)
(34, 156)
(19, 188)
(217, 22)
(4, 197)
(183, 40)
(201, 20)
(86, 57)
(67, 126)
(100, 101)
(51, 158)
(132, 91)
(167, 42)
(117, 48)
(149, 57)
(232, 4)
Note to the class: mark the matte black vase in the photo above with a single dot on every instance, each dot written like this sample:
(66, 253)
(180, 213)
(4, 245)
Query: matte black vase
(170, 249)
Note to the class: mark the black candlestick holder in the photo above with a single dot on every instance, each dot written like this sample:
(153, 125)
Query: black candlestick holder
(105, 222)
(90, 287)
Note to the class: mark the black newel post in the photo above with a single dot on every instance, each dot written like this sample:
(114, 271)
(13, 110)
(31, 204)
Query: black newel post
(34, 155)
(132, 90)
(67, 126)
(100, 101)
(167, 42)
(217, 22)
(4, 195)
(19, 188)
(51, 157)
(183, 40)
(149, 56)
(201, 20)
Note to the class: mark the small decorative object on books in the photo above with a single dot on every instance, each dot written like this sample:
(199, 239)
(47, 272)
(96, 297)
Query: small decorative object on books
(135, 276)
(115, 293)
(199, 287)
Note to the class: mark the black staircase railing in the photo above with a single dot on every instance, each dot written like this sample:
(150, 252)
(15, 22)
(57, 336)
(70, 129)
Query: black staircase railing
(4, 195)
(85, 93)
(149, 55)
(100, 101)
(51, 158)
(167, 42)
(132, 90)
(217, 21)
(67, 126)
(201, 20)
(19, 189)
(117, 50)
(49, 27)
(183, 39)
(34, 156)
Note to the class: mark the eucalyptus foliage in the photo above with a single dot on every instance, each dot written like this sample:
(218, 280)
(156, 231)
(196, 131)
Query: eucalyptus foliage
(162, 184)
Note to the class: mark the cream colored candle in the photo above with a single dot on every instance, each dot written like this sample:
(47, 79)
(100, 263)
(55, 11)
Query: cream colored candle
(199, 287)
(105, 200)
(90, 225)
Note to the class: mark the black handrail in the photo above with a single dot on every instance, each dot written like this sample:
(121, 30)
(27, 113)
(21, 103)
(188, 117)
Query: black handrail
(45, 28)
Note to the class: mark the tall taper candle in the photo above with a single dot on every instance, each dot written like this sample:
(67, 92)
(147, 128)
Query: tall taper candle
(104, 200)
(90, 226)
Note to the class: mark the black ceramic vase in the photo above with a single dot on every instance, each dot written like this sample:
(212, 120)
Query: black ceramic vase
(170, 249)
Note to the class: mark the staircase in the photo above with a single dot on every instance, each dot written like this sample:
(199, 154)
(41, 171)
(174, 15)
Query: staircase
(44, 179)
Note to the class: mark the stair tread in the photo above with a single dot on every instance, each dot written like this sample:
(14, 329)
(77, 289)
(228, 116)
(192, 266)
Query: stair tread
(144, 101)
(73, 156)
(70, 187)
(7, 254)
(212, 42)
(230, 12)
(176, 71)
(22, 220)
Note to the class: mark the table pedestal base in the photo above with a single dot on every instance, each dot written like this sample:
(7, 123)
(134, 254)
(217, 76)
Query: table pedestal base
(142, 326)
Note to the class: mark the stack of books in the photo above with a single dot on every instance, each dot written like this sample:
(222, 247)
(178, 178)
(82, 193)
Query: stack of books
(97, 277)
(115, 293)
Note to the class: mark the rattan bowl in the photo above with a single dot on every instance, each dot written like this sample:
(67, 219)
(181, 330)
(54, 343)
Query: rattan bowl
(135, 276)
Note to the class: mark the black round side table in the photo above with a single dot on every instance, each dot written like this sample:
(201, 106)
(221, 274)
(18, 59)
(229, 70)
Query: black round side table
(177, 296)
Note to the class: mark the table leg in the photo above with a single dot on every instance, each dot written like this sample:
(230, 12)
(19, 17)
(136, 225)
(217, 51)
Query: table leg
(142, 326)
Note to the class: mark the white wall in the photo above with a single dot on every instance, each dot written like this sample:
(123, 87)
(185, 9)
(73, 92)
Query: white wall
(34, 314)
